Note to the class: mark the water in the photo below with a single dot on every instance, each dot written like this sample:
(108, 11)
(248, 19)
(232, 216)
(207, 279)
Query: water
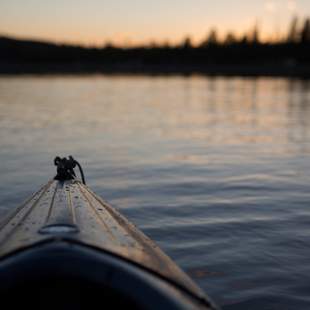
(215, 170)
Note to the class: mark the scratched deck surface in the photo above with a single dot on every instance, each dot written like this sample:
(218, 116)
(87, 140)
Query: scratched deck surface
(71, 211)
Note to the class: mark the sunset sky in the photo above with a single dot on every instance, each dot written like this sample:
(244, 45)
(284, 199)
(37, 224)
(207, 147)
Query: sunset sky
(142, 21)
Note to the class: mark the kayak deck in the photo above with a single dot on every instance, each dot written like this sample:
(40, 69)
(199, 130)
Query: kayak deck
(69, 210)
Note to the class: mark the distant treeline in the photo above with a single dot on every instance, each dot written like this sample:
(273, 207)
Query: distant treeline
(232, 55)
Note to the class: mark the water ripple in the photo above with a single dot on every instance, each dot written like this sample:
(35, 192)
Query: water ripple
(215, 170)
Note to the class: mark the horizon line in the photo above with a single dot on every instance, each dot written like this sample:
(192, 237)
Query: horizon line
(271, 37)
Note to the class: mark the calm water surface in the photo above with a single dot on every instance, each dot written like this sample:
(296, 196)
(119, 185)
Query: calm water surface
(215, 170)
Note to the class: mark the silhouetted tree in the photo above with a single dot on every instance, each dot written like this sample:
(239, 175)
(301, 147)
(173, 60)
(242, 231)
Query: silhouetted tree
(108, 45)
(211, 39)
(244, 40)
(187, 43)
(230, 39)
(254, 35)
(293, 34)
(305, 32)
(166, 44)
(152, 44)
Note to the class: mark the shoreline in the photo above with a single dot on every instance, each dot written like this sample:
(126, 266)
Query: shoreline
(251, 70)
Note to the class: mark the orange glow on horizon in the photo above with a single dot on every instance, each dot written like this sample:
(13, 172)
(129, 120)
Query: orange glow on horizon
(139, 23)
(131, 39)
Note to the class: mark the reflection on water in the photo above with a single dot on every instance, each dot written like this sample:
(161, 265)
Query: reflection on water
(216, 170)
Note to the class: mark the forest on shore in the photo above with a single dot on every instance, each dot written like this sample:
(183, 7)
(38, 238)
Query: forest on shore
(232, 55)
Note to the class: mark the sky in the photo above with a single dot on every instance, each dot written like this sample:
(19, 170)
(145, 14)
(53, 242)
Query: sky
(130, 22)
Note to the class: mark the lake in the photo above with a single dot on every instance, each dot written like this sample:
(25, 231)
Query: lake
(215, 170)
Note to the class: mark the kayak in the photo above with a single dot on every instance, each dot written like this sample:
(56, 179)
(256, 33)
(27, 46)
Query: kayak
(66, 248)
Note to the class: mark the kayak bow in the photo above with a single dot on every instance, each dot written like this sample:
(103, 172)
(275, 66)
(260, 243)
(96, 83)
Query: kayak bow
(66, 247)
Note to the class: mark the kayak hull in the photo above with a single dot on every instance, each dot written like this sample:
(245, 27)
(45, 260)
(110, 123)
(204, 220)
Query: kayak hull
(66, 232)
